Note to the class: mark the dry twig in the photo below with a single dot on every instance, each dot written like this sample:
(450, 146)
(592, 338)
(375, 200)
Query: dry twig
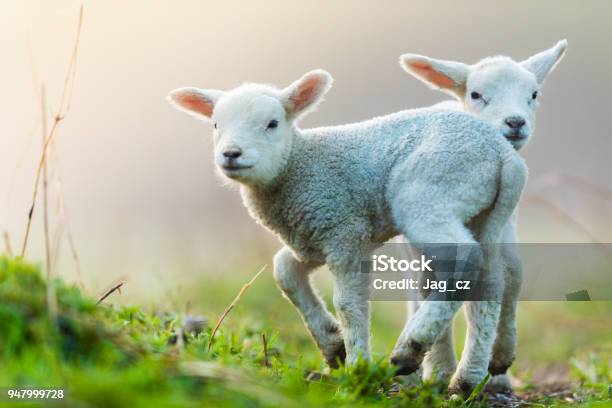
(115, 287)
(7, 244)
(231, 306)
(57, 241)
(75, 255)
(265, 350)
(64, 108)
(45, 181)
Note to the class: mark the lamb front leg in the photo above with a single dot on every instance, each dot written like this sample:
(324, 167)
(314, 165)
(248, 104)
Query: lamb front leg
(440, 362)
(293, 278)
(435, 314)
(420, 333)
(353, 309)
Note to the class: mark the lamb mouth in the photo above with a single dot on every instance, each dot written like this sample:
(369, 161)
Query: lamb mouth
(514, 137)
(235, 167)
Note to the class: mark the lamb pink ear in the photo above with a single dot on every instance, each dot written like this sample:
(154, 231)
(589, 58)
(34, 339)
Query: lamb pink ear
(447, 76)
(306, 93)
(544, 62)
(195, 101)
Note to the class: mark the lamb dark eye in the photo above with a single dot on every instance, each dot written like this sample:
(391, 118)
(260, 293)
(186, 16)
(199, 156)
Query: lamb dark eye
(534, 95)
(215, 125)
(475, 95)
(272, 124)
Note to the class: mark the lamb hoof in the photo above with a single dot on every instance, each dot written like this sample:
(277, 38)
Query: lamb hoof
(336, 356)
(499, 384)
(408, 362)
(404, 366)
(497, 367)
(461, 387)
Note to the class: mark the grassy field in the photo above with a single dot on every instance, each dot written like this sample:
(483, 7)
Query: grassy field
(105, 355)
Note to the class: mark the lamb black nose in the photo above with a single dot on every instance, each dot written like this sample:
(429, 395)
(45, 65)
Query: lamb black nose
(232, 153)
(515, 122)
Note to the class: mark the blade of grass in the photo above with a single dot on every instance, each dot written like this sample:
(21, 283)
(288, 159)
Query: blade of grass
(231, 306)
(477, 391)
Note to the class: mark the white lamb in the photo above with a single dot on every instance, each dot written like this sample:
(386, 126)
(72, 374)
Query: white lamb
(329, 193)
(504, 93)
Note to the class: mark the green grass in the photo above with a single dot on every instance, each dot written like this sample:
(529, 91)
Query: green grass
(129, 356)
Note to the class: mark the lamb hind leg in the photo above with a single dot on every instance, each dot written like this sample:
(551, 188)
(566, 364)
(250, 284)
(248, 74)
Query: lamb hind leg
(505, 342)
(293, 278)
(482, 317)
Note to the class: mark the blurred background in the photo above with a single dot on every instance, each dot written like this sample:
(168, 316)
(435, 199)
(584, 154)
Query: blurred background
(136, 177)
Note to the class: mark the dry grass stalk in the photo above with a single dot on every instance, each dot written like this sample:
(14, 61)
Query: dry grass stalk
(187, 307)
(51, 298)
(234, 303)
(554, 179)
(265, 350)
(64, 108)
(569, 220)
(75, 255)
(7, 244)
(115, 287)
(56, 242)
(45, 181)
(180, 340)
(20, 161)
(588, 186)
(63, 226)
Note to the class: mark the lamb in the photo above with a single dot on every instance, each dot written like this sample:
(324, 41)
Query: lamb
(328, 193)
(505, 94)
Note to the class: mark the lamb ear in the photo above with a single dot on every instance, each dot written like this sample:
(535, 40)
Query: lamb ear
(197, 102)
(447, 76)
(306, 93)
(544, 62)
